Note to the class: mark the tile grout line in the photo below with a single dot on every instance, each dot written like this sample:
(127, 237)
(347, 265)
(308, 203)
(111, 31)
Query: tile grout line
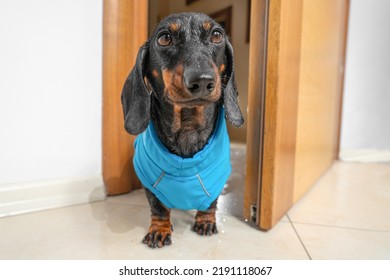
(300, 240)
(343, 227)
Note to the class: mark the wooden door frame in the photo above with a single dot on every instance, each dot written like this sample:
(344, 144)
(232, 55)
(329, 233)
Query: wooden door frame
(125, 29)
(256, 96)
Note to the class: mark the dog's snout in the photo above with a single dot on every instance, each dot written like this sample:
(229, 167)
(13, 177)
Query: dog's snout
(199, 83)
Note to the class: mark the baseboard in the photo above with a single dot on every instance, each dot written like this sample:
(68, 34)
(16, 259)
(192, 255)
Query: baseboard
(365, 155)
(42, 195)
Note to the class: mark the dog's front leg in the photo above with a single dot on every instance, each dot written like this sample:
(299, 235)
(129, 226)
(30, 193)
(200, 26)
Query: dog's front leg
(205, 221)
(160, 230)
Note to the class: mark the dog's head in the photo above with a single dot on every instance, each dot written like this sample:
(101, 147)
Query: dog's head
(188, 62)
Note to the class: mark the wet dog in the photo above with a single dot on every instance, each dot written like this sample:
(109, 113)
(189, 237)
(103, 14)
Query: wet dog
(177, 98)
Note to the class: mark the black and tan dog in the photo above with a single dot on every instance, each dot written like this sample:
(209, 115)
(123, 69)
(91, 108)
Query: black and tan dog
(182, 81)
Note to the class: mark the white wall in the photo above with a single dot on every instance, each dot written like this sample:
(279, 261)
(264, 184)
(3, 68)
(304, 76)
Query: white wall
(50, 90)
(366, 110)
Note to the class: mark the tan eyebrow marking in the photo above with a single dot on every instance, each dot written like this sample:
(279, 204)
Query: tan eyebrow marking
(206, 25)
(174, 26)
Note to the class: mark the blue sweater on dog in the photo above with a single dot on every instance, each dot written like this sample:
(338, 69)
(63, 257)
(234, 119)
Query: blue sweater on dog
(184, 183)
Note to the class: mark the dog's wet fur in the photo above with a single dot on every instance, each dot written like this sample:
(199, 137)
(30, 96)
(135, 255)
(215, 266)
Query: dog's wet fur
(182, 77)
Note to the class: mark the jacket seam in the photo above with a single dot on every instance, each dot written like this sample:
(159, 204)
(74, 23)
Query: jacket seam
(159, 179)
(203, 187)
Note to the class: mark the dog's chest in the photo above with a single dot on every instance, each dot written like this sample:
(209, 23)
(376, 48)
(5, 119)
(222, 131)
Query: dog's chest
(189, 119)
(190, 131)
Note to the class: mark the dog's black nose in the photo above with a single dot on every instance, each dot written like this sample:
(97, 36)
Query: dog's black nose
(199, 83)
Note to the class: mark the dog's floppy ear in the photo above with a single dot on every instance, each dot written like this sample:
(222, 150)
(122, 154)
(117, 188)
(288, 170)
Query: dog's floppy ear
(135, 96)
(230, 97)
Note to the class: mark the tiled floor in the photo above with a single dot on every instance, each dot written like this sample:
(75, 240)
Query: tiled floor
(346, 215)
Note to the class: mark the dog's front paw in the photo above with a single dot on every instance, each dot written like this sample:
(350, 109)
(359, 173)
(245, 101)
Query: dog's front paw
(205, 223)
(205, 228)
(159, 235)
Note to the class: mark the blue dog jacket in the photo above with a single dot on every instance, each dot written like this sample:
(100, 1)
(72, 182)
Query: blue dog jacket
(184, 183)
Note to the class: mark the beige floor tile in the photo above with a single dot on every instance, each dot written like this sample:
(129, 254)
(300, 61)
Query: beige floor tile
(344, 216)
(136, 198)
(105, 230)
(231, 200)
(324, 243)
(351, 195)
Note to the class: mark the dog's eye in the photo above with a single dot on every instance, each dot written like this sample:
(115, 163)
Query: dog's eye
(216, 37)
(164, 40)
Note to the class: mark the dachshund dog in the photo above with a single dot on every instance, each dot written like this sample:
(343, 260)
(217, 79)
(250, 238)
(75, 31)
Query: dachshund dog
(177, 98)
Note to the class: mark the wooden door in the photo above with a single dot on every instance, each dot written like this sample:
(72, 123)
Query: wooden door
(300, 101)
(323, 45)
